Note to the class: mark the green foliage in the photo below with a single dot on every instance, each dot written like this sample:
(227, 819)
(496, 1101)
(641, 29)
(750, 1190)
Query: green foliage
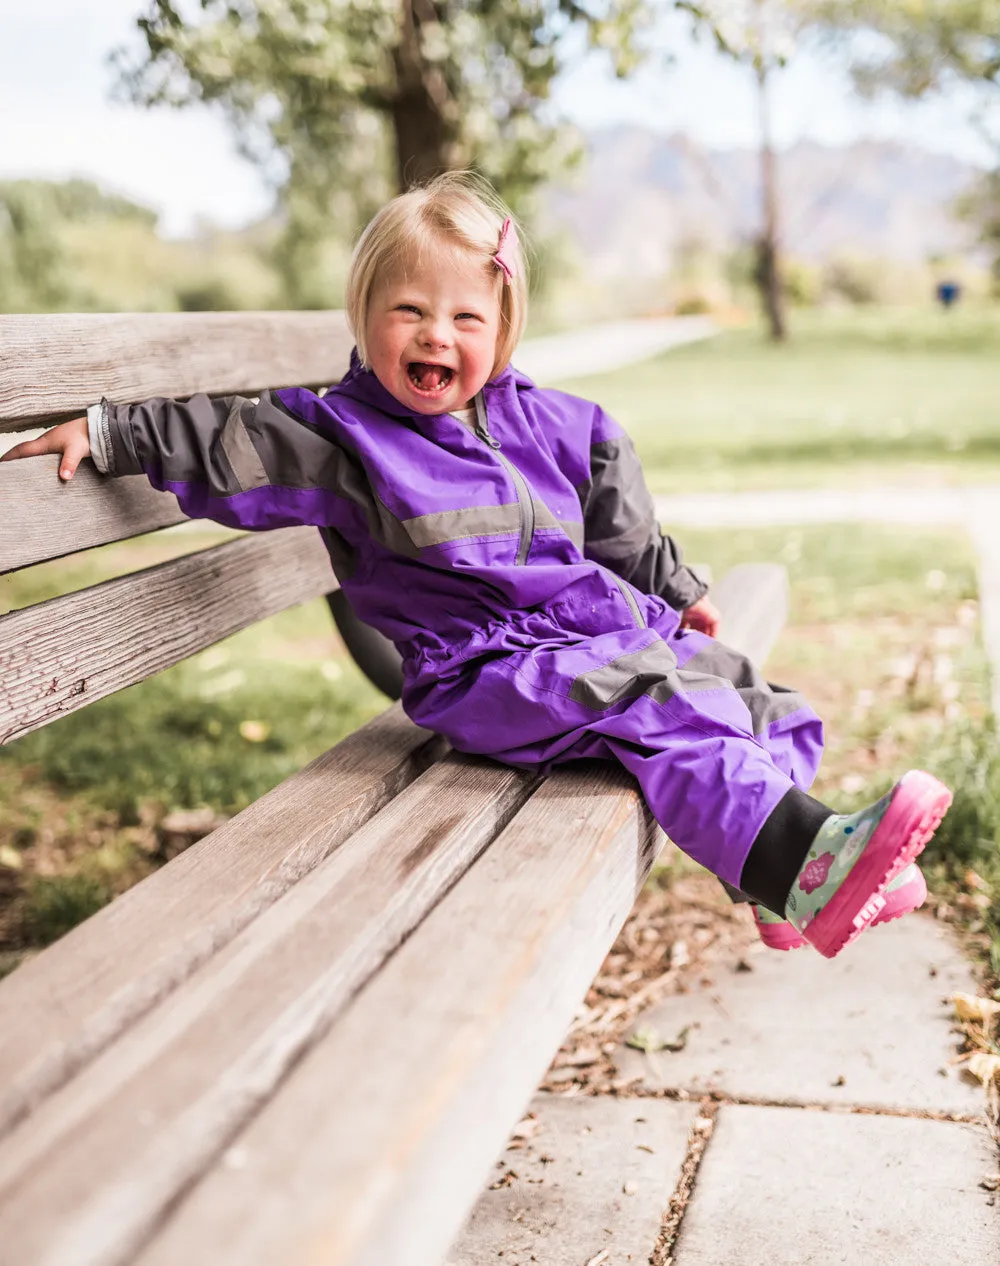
(179, 740)
(69, 247)
(967, 758)
(852, 278)
(926, 43)
(54, 905)
(343, 101)
(981, 207)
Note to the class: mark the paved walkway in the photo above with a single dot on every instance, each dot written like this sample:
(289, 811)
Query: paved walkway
(814, 1116)
(596, 349)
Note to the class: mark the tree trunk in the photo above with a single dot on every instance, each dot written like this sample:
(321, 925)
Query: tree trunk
(423, 110)
(768, 270)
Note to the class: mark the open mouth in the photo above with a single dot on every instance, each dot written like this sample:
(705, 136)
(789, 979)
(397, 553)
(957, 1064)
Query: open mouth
(429, 379)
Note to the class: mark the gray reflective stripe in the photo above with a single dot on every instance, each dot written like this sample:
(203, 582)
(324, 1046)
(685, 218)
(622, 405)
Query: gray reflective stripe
(443, 526)
(629, 597)
(546, 521)
(652, 671)
(765, 701)
(248, 470)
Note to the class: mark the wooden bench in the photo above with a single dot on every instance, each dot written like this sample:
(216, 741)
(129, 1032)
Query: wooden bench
(305, 1039)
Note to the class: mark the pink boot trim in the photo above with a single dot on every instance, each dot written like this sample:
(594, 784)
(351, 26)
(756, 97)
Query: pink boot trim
(778, 936)
(901, 900)
(918, 804)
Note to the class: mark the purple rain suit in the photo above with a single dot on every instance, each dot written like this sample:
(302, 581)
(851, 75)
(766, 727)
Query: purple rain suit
(519, 570)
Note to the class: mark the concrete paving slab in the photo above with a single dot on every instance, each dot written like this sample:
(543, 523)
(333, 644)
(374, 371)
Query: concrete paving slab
(789, 1187)
(869, 1027)
(596, 1178)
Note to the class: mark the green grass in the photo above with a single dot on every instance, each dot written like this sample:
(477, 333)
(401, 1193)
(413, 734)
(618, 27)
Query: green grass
(881, 634)
(865, 396)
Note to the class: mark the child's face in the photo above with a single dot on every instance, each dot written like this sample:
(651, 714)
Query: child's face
(432, 334)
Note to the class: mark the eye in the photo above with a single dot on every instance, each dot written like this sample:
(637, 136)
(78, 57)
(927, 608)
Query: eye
(468, 316)
(408, 307)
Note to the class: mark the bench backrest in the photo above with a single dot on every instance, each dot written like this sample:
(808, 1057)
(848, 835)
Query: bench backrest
(59, 655)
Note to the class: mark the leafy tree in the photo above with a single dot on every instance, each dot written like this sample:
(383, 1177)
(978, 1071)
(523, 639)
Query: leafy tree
(760, 34)
(926, 43)
(342, 102)
(927, 46)
(35, 269)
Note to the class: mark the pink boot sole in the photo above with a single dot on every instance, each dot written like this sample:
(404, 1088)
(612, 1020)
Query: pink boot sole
(898, 901)
(918, 804)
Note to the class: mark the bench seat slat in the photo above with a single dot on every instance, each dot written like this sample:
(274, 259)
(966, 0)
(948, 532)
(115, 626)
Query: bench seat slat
(60, 1009)
(753, 600)
(202, 1062)
(60, 655)
(383, 1135)
(44, 518)
(58, 365)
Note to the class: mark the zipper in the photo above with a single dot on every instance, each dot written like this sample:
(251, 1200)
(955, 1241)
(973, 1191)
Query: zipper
(526, 505)
(633, 606)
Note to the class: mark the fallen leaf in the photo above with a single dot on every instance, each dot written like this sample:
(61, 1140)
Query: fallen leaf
(985, 1067)
(969, 1007)
(526, 1129)
(649, 1041)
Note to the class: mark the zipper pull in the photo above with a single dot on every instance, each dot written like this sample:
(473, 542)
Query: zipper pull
(485, 436)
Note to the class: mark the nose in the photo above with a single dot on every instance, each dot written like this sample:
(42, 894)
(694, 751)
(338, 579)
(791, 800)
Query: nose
(435, 332)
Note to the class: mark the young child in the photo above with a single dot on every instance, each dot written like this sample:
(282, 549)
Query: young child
(503, 538)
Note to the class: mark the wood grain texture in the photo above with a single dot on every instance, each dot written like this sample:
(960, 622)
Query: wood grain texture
(60, 655)
(380, 1140)
(201, 1064)
(54, 366)
(44, 518)
(59, 1010)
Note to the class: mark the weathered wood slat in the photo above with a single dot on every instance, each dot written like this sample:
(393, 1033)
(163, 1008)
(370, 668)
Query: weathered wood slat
(62, 654)
(61, 1009)
(753, 599)
(43, 518)
(202, 1063)
(55, 366)
(382, 1137)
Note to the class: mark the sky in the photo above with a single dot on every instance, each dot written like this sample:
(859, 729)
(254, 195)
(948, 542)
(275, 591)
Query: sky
(58, 119)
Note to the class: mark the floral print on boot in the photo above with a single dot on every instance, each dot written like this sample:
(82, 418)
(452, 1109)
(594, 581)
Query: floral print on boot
(854, 857)
(907, 892)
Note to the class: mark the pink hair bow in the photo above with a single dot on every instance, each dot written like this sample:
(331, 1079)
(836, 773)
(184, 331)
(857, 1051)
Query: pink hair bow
(504, 258)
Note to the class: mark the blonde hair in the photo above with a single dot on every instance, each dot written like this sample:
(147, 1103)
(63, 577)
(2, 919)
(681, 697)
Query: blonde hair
(459, 210)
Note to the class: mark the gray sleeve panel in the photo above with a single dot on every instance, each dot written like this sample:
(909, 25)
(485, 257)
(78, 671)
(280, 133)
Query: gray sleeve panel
(231, 444)
(621, 528)
(235, 444)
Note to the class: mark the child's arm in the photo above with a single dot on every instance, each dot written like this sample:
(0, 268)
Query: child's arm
(69, 438)
(621, 529)
(247, 463)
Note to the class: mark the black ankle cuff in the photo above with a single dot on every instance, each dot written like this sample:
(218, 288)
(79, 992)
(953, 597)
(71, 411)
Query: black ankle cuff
(779, 851)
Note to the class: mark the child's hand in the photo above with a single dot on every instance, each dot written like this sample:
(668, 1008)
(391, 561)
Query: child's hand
(72, 439)
(703, 616)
